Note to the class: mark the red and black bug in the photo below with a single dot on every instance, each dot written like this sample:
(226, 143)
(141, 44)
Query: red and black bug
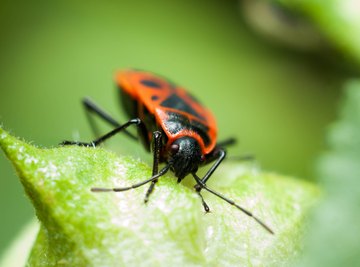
(182, 132)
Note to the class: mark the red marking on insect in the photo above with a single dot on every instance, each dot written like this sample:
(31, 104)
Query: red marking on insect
(167, 103)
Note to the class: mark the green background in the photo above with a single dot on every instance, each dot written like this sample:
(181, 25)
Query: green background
(277, 102)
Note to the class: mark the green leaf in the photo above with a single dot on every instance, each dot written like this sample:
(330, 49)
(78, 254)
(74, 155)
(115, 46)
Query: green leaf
(82, 228)
(335, 232)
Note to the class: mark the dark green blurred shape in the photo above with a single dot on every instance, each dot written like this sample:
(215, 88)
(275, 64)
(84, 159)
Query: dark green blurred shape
(275, 102)
(336, 20)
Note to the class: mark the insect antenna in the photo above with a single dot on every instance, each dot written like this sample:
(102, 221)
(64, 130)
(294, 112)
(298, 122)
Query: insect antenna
(121, 189)
(231, 202)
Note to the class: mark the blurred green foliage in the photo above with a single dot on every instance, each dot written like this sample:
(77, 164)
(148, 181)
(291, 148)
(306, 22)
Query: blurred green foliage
(333, 239)
(336, 20)
(277, 102)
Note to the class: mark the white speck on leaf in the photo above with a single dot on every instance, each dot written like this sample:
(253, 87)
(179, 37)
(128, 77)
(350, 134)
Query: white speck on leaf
(3, 135)
(210, 232)
(120, 169)
(296, 207)
(13, 147)
(30, 160)
(50, 171)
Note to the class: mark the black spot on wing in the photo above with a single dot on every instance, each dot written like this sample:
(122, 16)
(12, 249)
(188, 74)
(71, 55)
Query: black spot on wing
(154, 97)
(176, 102)
(151, 83)
(177, 122)
(202, 130)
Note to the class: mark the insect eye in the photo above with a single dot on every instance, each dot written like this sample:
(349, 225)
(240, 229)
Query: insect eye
(174, 148)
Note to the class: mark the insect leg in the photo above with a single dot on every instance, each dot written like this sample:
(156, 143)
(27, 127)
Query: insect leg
(91, 107)
(121, 189)
(218, 155)
(101, 139)
(230, 142)
(246, 157)
(227, 142)
(198, 191)
(201, 184)
(157, 138)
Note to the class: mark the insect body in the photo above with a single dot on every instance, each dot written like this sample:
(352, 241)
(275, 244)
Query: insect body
(187, 129)
(182, 132)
